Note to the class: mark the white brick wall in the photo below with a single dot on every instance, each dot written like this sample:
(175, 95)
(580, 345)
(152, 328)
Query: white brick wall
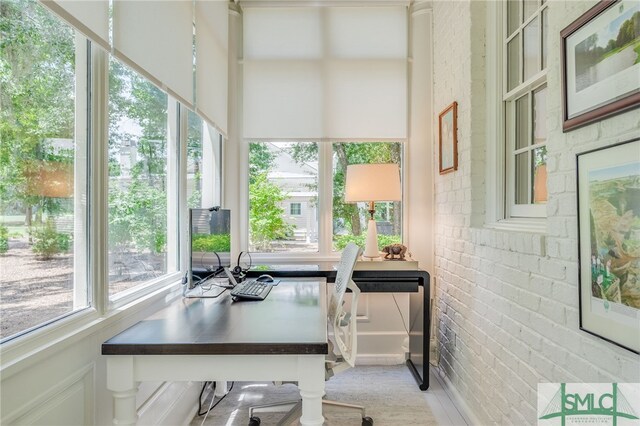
(507, 301)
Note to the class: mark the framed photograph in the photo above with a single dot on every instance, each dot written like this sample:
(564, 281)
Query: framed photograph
(609, 243)
(448, 139)
(601, 63)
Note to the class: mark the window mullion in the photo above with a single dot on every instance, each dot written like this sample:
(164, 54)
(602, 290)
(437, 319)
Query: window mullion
(325, 199)
(99, 180)
(529, 145)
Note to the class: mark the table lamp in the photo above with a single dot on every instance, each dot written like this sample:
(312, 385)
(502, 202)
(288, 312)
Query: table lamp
(370, 183)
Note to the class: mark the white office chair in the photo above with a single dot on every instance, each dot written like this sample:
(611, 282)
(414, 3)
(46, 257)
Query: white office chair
(345, 336)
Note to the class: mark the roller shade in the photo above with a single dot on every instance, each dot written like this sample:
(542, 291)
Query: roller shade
(90, 17)
(325, 72)
(212, 67)
(156, 39)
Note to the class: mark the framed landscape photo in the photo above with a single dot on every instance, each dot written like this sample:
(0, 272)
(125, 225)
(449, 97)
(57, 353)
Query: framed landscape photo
(448, 139)
(609, 243)
(601, 63)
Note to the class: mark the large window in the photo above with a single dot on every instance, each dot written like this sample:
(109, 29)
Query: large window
(282, 174)
(350, 220)
(296, 196)
(42, 168)
(141, 152)
(524, 98)
(204, 163)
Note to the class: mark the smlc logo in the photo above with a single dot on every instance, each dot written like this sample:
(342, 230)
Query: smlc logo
(588, 403)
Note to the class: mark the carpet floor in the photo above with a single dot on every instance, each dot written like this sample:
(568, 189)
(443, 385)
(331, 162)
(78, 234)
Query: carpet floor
(389, 394)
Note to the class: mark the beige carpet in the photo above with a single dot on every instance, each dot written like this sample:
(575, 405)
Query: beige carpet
(389, 394)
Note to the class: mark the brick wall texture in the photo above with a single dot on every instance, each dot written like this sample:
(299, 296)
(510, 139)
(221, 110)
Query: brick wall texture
(507, 301)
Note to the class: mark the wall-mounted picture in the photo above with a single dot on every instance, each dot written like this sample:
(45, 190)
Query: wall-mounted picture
(448, 139)
(601, 63)
(609, 243)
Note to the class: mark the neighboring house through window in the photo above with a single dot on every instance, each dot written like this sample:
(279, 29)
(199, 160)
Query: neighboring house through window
(295, 209)
(285, 176)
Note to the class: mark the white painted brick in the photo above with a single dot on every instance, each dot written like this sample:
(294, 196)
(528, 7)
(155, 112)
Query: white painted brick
(511, 297)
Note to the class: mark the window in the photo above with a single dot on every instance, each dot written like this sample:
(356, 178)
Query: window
(350, 220)
(280, 174)
(524, 98)
(295, 209)
(43, 169)
(142, 155)
(204, 163)
(296, 193)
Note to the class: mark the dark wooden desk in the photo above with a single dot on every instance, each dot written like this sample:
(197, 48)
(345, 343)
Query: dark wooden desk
(283, 337)
(414, 281)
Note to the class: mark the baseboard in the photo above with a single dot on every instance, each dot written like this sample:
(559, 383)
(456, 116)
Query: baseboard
(380, 359)
(464, 409)
(174, 403)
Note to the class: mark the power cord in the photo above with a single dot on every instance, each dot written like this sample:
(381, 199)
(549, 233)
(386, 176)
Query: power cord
(211, 405)
(400, 312)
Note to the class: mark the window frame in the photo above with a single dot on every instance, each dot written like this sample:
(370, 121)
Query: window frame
(526, 88)
(298, 209)
(176, 133)
(83, 137)
(325, 200)
(92, 118)
(498, 212)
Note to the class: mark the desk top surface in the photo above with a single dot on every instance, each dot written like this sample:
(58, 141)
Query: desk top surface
(291, 320)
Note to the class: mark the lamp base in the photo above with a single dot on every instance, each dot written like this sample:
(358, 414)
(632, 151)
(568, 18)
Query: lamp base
(371, 246)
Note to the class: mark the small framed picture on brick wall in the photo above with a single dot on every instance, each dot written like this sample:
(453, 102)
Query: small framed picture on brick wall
(609, 243)
(448, 139)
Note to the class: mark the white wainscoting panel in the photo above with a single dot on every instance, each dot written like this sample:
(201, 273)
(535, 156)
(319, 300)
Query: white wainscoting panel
(59, 405)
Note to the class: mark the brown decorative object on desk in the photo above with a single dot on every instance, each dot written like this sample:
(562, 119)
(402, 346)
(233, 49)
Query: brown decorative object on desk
(394, 250)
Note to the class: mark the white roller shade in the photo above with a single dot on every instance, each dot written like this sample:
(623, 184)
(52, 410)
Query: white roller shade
(325, 73)
(212, 67)
(156, 38)
(90, 17)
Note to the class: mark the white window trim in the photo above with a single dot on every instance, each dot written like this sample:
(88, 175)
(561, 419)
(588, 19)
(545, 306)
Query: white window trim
(498, 212)
(325, 251)
(33, 344)
(176, 135)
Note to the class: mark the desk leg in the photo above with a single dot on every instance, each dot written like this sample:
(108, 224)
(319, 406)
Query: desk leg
(121, 382)
(311, 385)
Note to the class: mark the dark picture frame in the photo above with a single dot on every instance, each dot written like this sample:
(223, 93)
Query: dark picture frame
(608, 197)
(448, 139)
(591, 92)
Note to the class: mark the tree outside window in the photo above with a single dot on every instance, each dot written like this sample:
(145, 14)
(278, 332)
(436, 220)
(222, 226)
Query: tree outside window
(41, 207)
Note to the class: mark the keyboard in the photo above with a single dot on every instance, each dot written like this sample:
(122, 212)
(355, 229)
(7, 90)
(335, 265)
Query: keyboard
(251, 290)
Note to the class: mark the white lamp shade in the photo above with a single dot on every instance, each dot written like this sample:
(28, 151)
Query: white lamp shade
(372, 182)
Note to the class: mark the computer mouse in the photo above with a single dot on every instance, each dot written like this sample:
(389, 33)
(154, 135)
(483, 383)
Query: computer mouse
(265, 278)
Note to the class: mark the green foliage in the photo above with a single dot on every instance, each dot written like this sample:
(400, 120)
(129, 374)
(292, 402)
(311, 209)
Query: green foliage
(211, 243)
(4, 239)
(137, 217)
(261, 160)
(349, 215)
(266, 217)
(37, 95)
(137, 204)
(341, 241)
(47, 242)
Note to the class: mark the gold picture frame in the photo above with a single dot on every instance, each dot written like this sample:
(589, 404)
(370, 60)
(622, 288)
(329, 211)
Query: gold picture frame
(448, 139)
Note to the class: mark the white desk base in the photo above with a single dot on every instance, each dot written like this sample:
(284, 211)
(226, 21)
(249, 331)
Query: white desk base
(124, 372)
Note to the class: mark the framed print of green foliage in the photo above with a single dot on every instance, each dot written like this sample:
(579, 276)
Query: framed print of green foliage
(609, 243)
(601, 63)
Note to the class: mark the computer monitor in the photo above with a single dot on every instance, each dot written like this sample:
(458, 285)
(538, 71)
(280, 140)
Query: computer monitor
(210, 237)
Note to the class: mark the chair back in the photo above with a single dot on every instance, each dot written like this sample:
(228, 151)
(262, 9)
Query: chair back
(343, 322)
